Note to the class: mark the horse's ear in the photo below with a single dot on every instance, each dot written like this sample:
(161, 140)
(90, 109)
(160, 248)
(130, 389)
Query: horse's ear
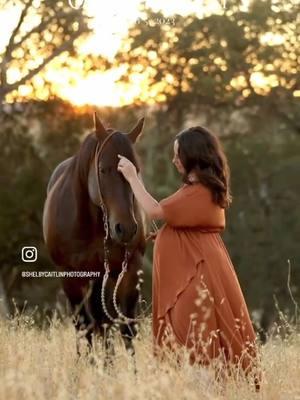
(137, 130)
(99, 128)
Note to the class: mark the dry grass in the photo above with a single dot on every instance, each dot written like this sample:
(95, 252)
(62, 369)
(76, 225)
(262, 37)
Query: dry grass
(42, 364)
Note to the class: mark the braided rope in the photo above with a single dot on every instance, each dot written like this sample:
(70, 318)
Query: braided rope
(106, 266)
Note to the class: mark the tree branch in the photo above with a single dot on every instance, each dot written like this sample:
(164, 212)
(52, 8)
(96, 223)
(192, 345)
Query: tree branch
(8, 50)
(65, 46)
(39, 28)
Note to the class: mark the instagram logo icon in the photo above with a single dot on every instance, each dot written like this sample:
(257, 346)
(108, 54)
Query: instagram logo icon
(29, 254)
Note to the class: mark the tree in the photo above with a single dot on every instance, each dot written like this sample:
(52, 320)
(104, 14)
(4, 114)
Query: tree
(45, 30)
(214, 60)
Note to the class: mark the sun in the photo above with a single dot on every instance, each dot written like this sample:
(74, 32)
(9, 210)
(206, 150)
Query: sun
(101, 89)
(97, 89)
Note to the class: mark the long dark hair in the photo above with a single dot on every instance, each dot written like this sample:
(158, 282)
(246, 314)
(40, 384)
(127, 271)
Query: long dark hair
(201, 151)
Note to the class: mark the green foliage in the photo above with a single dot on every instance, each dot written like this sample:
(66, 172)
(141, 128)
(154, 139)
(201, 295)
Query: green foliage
(263, 222)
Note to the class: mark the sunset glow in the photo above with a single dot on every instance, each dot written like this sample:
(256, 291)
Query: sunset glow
(110, 25)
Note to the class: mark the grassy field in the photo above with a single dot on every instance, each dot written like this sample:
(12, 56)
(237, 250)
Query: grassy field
(40, 364)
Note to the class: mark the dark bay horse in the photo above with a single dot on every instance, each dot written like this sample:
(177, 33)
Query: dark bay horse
(80, 191)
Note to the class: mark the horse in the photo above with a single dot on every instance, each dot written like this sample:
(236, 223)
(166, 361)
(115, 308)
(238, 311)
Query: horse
(91, 220)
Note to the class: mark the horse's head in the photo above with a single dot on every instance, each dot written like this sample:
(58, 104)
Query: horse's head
(108, 184)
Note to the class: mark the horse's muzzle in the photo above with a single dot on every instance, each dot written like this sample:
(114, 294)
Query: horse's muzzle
(125, 233)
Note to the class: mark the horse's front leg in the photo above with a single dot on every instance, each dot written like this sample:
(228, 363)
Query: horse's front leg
(108, 346)
(128, 328)
(127, 336)
(83, 320)
(83, 326)
(104, 324)
(127, 297)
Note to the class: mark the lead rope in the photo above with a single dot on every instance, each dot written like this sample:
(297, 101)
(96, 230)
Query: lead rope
(120, 277)
(106, 267)
(123, 319)
(154, 225)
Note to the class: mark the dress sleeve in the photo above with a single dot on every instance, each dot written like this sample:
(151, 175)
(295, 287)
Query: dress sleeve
(192, 207)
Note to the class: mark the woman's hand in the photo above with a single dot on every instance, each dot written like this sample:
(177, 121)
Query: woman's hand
(127, 168)
(151, 206)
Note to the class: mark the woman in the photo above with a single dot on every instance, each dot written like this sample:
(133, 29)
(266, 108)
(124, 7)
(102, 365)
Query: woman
(197, 299)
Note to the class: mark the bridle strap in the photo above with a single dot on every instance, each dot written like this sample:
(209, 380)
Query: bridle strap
(98, 151)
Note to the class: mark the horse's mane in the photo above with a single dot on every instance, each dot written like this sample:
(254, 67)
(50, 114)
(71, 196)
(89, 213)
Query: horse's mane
(82, 159)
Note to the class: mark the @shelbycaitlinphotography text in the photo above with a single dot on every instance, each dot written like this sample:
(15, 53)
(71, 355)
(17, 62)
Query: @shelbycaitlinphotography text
(60, 274)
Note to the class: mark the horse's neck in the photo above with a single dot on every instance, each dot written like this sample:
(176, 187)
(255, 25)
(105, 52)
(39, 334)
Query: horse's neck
(78, 185)
(82, 163)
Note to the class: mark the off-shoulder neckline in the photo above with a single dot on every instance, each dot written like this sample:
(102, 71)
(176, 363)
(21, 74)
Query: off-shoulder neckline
(185, 185)
(195, 187)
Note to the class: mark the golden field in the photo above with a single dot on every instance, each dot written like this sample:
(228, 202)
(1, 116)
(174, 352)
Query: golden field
(42, 363)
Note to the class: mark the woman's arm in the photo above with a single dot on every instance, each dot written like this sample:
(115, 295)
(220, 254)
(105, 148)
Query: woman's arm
(151, 206)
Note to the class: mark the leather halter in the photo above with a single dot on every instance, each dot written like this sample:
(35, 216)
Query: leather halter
(98, 152)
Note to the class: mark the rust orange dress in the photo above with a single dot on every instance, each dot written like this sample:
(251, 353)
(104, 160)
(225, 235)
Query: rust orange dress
(197, 300)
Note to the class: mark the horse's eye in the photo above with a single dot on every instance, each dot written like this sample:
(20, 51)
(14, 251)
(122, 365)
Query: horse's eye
(105, 170)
